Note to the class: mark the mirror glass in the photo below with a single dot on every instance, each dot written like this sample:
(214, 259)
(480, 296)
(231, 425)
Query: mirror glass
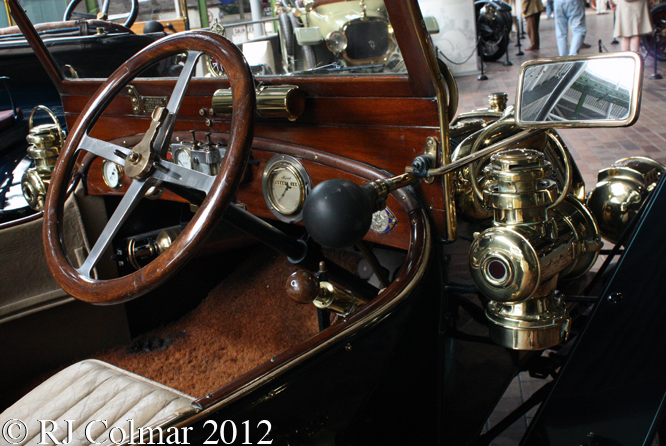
(587, 91)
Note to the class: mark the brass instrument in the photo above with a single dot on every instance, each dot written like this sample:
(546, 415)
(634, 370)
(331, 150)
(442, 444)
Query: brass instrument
(45, 140)
(539, 236)
(273, 101)
(620, 191)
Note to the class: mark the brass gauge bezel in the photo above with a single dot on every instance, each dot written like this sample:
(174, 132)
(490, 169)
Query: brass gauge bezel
(121, 175)
(303, 183)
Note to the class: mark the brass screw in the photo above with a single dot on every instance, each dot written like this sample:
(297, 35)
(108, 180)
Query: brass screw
(209, 122)
(202, 112)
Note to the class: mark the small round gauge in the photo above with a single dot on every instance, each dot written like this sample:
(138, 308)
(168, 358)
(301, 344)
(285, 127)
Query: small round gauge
(113, 175)
(183, 158)
(286, 184)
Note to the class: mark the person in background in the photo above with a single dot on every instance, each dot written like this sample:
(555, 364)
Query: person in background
(549, 9)
(632, 19)
(532, 10)
(569, 12)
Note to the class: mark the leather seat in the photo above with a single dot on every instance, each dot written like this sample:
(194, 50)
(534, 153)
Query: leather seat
(93, 390)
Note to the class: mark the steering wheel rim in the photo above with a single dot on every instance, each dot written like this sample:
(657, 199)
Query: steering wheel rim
(134, 12)
(220, 189)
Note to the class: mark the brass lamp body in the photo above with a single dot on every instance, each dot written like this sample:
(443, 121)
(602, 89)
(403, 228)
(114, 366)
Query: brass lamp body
(620, 191)
(45, 140)
(517, 262)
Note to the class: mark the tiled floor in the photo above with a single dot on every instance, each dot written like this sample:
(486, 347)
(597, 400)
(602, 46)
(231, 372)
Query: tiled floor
(593, 149)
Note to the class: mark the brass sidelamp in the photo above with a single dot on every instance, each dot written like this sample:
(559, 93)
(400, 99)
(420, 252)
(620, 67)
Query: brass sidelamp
(45, 140)
(538, 236)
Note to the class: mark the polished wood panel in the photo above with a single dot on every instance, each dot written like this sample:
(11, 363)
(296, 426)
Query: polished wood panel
(316, 86)
(320, 166)
(404, 112)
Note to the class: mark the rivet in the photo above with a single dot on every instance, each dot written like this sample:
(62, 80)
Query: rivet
(209, 122)
(202, 112)
(348, 347)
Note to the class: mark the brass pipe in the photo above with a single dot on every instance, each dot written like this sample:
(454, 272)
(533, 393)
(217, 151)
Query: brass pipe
(462, 162)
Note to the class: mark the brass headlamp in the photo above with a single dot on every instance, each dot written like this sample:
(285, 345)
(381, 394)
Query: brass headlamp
(45, 140)
(621, 190)
(536, 239)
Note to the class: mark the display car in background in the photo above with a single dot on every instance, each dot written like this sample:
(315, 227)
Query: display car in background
(272, 259)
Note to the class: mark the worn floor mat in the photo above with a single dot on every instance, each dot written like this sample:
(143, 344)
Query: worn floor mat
(243, 322)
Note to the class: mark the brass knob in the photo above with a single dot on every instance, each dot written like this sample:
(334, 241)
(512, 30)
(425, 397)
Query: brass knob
(302, 287)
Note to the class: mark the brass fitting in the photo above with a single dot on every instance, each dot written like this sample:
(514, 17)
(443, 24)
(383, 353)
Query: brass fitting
(304, 287)
(273, 101)
(497, 101)
(141, 251)
(518, 261)
(45, 140)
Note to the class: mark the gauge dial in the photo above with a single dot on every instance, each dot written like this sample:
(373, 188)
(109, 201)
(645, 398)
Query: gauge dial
(285, 189)
(285, 184)
(112, 174)
(183, 158)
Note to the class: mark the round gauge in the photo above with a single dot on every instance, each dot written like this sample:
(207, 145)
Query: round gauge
(286, 184)
(112, 174)
(285, 189)
(183, 158)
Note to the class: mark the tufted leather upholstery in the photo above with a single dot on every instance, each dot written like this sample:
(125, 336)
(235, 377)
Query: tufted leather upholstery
(93, 390)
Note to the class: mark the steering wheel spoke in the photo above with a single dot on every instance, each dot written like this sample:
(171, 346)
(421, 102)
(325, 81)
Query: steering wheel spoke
(182, 176)
(175, 101)
(130, 200)
(103, 149)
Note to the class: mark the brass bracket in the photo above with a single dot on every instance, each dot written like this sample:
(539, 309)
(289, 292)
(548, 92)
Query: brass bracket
(145, 104)
(431, 148)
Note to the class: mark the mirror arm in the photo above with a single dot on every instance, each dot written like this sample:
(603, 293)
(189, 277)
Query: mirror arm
(462, 162)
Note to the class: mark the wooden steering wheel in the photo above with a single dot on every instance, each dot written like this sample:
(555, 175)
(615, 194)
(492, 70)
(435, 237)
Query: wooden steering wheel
(130, 17)
(146, 164)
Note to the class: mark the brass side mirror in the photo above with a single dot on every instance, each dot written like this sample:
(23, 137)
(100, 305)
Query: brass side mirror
(601, 90)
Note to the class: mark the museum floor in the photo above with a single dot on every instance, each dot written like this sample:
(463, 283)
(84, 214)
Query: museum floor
(593, 149)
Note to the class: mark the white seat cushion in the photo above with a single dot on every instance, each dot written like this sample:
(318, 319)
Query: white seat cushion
(90, 391)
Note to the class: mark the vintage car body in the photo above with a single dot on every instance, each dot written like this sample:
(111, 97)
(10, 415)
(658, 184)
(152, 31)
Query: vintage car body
(342, 33)
(409, 357)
